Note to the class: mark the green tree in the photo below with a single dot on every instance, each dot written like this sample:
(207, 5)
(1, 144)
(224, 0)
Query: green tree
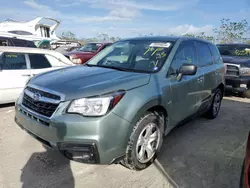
(230, 31)
(201, 35)
(68, 35)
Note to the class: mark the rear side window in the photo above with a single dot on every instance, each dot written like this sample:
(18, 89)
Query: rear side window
(23, 43)
(205, 57)
(39, 61)
(216, 54)
(13, 61)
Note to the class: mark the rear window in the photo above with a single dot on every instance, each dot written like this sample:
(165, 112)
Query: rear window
(39, 61)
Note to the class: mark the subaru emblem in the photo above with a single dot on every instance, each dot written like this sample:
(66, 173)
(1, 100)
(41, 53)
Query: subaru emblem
(36, 96)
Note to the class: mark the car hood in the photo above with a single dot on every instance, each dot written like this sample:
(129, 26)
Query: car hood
(81, 81)
(78, 53)
(237, 60)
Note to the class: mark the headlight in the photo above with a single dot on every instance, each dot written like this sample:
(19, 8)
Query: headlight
(245, 71)
(76, 60)
(95, 106)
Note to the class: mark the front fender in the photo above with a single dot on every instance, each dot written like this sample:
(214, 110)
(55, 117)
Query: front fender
(134, 104)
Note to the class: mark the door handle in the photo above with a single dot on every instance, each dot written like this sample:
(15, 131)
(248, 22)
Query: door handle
(26, 75)
(200, 79)
(217, 72)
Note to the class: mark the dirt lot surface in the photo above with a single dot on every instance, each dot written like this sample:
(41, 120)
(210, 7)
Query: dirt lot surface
(199, 154)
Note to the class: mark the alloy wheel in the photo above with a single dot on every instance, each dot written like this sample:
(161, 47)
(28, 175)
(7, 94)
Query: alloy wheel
(147, 143)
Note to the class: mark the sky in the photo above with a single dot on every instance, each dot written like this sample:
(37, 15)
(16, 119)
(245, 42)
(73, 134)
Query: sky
(129, 18)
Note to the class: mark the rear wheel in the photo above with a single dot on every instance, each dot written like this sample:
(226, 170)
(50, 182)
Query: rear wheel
(247, 94)
(215, 106)
(145, 141)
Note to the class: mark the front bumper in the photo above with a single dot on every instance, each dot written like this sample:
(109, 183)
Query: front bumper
(99, 140)
(238, 84)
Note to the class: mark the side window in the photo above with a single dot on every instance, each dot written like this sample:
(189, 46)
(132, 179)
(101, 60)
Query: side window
(205, 57)
(13, 61)
(39, 61)
(216, 54)
(4, 42)
(105, 46)
(185, 54)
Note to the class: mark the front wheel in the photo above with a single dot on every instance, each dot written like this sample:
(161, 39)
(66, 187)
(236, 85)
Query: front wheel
(145, 141)
(215, 106)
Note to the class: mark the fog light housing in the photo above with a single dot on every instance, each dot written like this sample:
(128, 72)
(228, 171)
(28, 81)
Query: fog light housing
(84, 153)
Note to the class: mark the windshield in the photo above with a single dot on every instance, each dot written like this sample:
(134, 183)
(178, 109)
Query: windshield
(234, 50)
(138, 56)
(91, 47)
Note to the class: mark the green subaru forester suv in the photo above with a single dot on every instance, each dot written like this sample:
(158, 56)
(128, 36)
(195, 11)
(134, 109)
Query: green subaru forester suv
(119, 105)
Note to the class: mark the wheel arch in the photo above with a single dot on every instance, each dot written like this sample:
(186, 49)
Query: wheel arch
(151, 106)
(221, 86)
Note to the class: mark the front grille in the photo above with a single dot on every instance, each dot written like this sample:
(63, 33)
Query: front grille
(44, 106)
(43, 93)
(233, 70)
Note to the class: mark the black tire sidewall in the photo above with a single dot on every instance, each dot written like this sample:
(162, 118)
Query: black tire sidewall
(131, 149)
(218, 91)
(247, 94)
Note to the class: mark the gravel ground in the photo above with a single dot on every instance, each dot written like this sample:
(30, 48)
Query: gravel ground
(199, 154)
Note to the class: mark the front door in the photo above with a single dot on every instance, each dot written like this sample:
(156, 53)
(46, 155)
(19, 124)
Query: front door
(14, 74)
(186, 92)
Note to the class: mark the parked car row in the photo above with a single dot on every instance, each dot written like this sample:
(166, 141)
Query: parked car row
(86, 52)
(237, 59)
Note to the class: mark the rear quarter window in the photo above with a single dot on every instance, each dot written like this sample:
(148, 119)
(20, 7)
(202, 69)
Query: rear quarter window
(39, 61)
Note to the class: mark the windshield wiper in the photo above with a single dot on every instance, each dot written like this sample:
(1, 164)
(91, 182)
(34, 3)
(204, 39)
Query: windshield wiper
(110, 67)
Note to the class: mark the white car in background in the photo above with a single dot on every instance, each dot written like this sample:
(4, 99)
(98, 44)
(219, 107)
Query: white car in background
(19, 64)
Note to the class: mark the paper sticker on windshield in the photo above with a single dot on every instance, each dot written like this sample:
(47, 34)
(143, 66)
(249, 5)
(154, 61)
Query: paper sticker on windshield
(160, 45)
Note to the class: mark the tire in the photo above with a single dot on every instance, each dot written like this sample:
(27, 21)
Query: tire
(213, 111)
(242, 179)
(138, 155)
(247, 94)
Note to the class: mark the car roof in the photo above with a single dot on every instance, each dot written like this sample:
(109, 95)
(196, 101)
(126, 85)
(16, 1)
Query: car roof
(156, 38)
(233, 44)
(164, 38)
(30, 50)
(14, 38)
(25, 49)
(101, 42)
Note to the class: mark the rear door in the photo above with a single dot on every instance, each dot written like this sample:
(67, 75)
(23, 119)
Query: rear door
(14, 73)
(40, 63)
(209, 70)
(218, 63)
(185, 93)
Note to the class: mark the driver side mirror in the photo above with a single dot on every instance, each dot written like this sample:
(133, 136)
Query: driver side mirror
(186, 69)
